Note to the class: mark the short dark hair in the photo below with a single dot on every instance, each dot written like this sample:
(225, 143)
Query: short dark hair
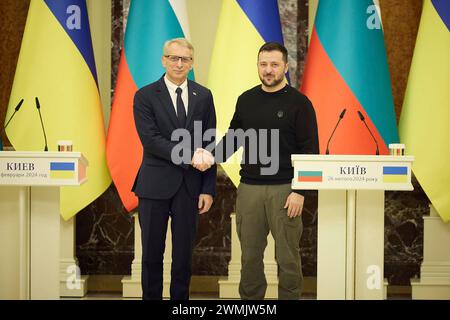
(274, 46)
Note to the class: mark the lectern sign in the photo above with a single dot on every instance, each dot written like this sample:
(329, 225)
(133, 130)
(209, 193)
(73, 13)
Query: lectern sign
(49, 168)
(352, 172)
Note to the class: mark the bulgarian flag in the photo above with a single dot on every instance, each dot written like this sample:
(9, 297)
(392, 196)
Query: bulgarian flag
(150, 24)
(346, 68)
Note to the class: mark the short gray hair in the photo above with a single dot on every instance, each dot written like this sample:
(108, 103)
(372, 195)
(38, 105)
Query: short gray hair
(180, 41)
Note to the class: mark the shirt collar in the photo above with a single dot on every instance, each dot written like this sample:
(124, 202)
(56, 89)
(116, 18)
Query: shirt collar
(172, 86)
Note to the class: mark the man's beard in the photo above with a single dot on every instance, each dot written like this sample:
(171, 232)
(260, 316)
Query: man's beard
(274, 83)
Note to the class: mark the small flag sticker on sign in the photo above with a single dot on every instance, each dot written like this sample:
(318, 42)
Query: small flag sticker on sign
(395, 174)
(310, 176)
(62, 170)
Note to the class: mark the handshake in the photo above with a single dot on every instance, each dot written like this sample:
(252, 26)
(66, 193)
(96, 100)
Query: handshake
(202, 159)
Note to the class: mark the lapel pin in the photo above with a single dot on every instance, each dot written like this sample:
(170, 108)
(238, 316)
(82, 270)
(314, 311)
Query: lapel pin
(194, 93)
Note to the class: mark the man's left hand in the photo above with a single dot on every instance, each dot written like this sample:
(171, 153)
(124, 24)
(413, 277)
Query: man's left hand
(202, 159)
(204, 203)
(294, 204)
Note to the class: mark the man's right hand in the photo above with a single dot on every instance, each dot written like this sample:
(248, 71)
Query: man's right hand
(202, 159)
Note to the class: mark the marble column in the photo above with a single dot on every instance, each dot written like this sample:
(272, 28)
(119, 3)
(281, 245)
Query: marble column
(434, 282)
(71, 282)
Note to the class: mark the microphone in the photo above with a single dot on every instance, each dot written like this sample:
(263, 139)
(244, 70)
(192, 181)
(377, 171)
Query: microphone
(38, 107)
(12, 116)
(364, 120)
(340, 118)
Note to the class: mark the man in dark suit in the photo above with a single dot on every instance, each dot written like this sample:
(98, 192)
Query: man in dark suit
(166, 185)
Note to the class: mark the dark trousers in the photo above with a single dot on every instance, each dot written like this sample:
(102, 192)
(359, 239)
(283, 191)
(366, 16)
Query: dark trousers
(153, 219)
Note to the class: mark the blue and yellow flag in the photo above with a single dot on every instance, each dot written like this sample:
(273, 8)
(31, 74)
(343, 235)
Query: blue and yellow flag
(56, 64)
(424, 122)
(244, 26)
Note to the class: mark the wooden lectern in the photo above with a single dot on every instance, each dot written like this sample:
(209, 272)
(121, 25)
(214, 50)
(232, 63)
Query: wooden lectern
(30, 220)
(350, 247)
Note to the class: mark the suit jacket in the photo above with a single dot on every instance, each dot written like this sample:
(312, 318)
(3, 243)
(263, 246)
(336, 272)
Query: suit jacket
(156, 119)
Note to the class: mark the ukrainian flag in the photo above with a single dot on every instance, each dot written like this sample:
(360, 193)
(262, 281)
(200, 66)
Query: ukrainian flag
(56, 64)
(150, 24)
(424, 122)
(244, 26)
(346, 67)
(395, 174)
(62, 170)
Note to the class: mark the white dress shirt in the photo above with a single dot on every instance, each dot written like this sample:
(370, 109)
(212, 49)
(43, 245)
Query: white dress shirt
(173, 95)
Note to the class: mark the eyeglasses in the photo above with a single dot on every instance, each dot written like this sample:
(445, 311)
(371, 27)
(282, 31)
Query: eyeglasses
(175, 59)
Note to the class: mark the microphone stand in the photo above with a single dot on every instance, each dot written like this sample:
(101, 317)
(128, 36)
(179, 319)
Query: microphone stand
(12, 116)
(340, 118)
(38, 106)
(364, 120)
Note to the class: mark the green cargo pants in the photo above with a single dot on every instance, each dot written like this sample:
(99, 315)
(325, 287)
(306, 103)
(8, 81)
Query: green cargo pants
(259, 209)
